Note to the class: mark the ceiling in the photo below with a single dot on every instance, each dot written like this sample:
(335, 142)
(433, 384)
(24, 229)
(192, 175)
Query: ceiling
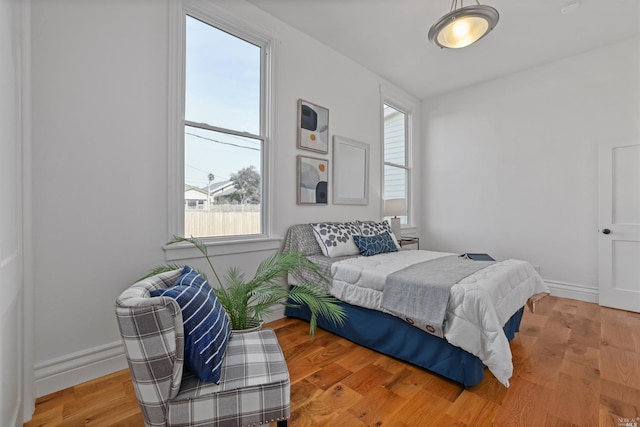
(389, 37)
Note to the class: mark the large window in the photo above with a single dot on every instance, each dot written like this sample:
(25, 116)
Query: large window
(224, 132)
(396, 156)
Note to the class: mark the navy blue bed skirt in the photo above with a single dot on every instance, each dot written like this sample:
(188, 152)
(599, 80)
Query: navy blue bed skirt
(392, 336)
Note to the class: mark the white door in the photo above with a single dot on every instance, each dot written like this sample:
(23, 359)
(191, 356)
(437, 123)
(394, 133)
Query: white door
(619, 228)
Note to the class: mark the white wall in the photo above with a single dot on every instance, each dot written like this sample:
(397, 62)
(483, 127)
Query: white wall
(99, 130)
(309, 70)
(510, 166)
(15, 379)
(10, 242)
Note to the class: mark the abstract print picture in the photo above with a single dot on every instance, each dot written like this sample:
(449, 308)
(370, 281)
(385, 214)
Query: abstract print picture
(312, 180)
(313, 130)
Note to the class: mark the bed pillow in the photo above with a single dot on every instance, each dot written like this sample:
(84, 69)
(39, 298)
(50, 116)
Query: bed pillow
(207, 328)
(336, 238)
(373, 245)
(371, 228)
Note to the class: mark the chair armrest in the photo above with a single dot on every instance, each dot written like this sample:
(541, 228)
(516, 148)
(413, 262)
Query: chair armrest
(139, 292)
(153, 337)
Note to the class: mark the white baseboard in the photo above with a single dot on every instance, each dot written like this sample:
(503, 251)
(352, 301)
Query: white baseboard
(573, 291)
(75, 368)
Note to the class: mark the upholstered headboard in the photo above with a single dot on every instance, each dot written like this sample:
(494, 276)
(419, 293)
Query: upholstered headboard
(300, 238)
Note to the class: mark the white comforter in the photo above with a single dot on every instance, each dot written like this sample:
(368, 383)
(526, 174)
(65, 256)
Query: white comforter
(478, 308)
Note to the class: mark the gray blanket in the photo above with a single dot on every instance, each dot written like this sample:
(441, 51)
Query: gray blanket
(419, 294)
(300, 238)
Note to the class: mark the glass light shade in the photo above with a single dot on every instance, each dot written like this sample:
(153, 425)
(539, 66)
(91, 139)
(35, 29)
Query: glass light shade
(464, 26)
(462, 32)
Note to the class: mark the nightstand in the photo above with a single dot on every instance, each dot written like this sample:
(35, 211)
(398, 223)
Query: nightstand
(407, 242)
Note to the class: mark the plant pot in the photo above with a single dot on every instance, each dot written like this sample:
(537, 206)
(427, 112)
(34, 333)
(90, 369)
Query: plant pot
(252, 325)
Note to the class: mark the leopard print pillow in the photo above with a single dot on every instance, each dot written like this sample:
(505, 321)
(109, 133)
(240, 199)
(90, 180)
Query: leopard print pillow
(336, 238)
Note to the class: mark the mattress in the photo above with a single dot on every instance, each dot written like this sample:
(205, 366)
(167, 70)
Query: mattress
(478, 308)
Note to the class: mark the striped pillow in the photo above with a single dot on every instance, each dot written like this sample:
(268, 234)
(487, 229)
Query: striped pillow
(207, 327)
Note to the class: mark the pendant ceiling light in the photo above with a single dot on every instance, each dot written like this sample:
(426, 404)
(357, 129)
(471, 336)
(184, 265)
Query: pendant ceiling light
(463, 26)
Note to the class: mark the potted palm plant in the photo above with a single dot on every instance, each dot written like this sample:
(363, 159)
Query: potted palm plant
(248, 301)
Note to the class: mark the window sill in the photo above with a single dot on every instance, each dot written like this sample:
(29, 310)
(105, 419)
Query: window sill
(181, 251)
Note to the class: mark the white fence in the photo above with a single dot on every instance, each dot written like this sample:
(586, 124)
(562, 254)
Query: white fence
(222, 220)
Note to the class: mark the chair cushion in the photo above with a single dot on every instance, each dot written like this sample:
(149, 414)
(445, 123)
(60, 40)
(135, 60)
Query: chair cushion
(373, 245)
(207, 327)
(254, 387)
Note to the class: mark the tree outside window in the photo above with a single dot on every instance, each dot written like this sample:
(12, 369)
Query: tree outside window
(224, 137)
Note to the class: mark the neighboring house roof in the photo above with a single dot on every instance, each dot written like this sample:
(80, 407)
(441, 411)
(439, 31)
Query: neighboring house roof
(188, 187)
(194, 193)
(219, 189)
(224, 193)
(216, 189)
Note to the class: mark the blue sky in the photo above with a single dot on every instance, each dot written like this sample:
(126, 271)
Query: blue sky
(222, 89)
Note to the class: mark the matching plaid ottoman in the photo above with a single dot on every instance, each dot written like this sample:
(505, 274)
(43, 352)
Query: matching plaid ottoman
(254, 388)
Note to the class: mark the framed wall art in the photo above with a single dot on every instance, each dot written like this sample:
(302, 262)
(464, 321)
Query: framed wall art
(350, 172)
(313, 181)
(313, 127)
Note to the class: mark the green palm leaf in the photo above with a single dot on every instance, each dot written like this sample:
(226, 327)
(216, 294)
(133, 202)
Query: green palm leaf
(245, 300)
(319, 302)
(161, 269)
(201, 247)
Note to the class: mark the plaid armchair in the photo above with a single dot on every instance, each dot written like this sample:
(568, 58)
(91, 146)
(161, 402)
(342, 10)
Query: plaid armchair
(254, 387)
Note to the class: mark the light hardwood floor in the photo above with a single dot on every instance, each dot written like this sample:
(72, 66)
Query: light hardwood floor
(575, 364)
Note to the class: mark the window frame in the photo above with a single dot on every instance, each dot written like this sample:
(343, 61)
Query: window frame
(408, 154)
(219, 18)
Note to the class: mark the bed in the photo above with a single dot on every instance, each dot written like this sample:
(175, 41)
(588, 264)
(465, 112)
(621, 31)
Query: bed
(481, 314)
